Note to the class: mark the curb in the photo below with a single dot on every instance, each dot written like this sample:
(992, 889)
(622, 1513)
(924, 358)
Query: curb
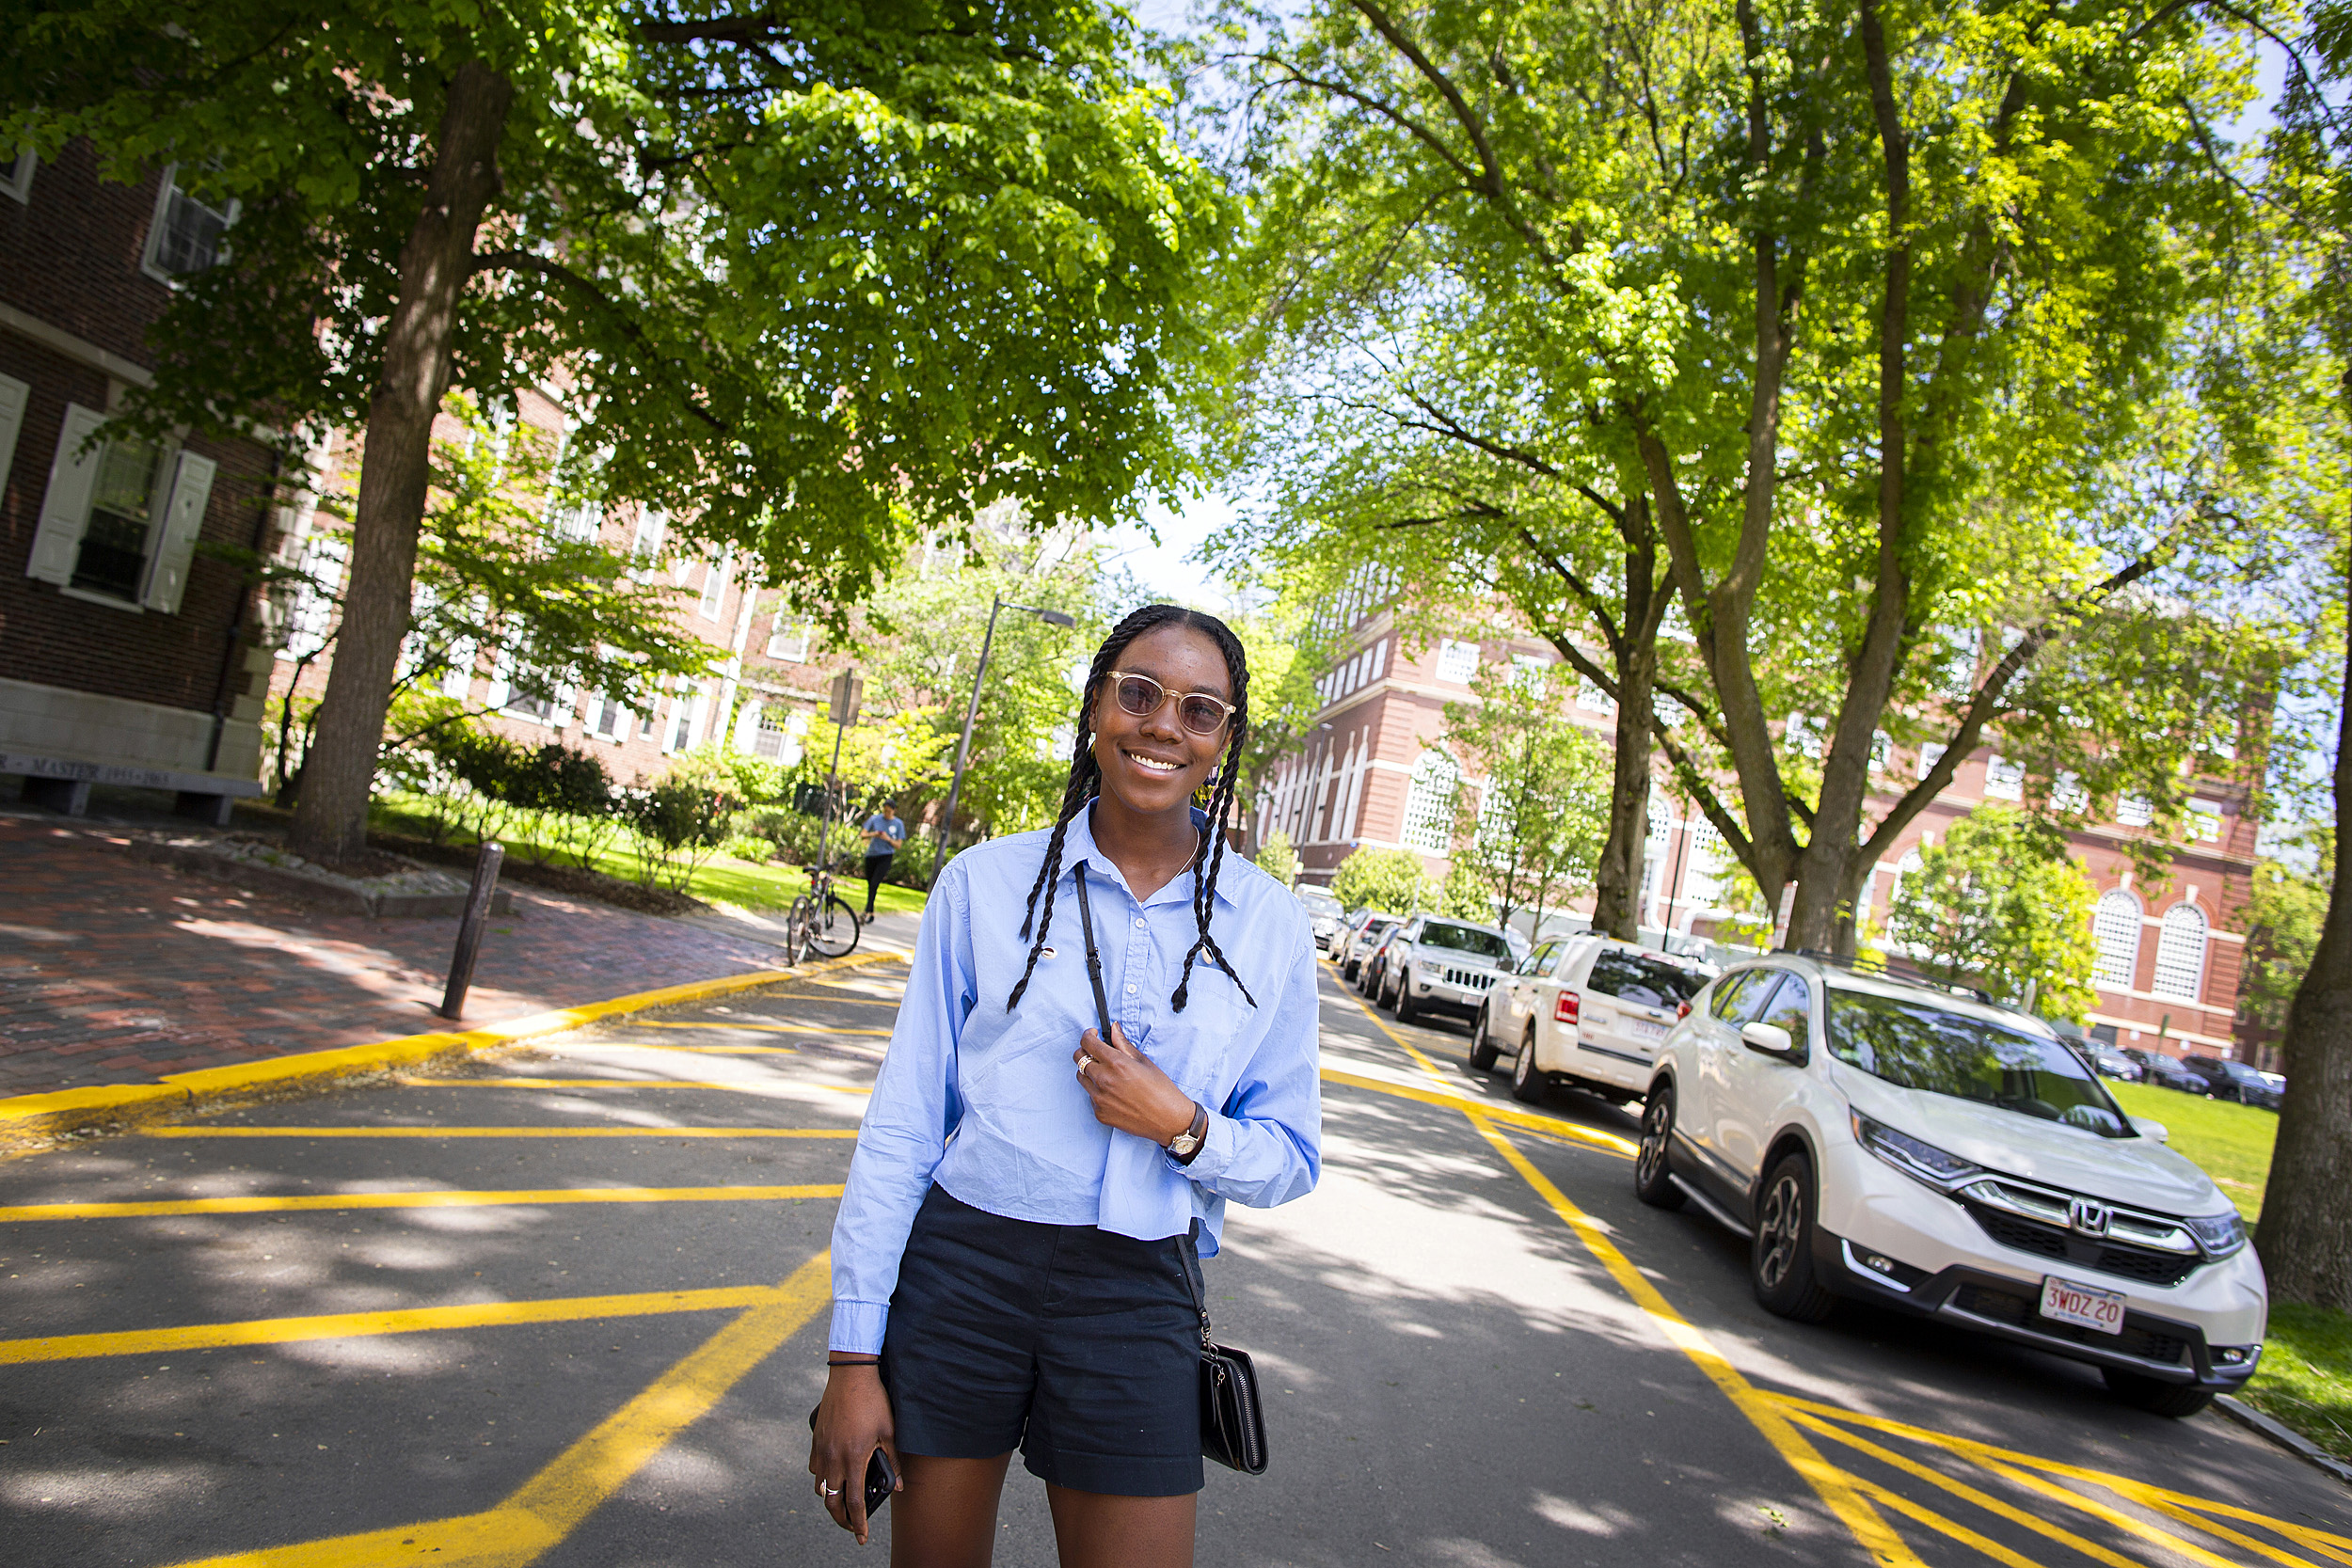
(35, 1121)
(2285, 1436)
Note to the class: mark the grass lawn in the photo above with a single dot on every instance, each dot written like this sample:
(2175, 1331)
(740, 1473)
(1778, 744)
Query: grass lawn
(2306, 1375)
(2232, 1142)
(721, 879)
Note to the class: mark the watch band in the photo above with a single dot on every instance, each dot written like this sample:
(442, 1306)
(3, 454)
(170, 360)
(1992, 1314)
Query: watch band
(1187, 1144)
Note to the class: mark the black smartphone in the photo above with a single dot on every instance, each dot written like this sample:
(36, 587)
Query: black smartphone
(881, 1479)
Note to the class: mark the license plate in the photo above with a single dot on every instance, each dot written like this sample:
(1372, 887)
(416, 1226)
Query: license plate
(2086, 1305)
(1644, 1030)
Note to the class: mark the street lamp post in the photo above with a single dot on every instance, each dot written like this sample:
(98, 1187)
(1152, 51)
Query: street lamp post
(963, 745)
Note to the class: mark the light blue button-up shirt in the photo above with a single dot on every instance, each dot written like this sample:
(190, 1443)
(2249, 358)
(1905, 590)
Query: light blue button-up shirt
(988, 1104)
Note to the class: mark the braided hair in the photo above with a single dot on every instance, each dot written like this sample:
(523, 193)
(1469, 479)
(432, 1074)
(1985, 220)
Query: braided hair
(1085, 782)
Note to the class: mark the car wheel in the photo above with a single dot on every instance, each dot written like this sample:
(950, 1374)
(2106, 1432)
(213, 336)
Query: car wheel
(1653, 1180)
(1405, 1012)
(1347, 971)
(1482, 1046)
(1380, 997)
(2157, 1398)
(1780, 1260)
(1527, 1085)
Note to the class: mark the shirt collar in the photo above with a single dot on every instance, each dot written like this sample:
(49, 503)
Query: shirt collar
(1078, 844)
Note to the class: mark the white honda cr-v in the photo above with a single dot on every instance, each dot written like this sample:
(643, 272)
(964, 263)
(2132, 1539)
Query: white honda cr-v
(1902, 1145)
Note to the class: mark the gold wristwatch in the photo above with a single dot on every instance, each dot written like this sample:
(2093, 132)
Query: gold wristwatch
(1187, 1144)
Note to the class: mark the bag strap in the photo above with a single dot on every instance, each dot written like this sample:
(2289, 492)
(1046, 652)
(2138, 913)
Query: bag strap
(1094, 958)
(1188, 1253)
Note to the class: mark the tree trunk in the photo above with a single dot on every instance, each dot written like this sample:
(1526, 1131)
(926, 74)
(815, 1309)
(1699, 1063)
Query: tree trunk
(331, 819)
(1617, 891)
(2306, 1233)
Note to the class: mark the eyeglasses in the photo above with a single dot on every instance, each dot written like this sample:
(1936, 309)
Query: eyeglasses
(1142, 696)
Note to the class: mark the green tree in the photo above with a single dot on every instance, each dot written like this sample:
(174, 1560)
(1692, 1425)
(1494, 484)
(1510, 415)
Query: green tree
(1277, 860)
(1468, 894)
(2283, 917)
(1758, 307)
(815, 279)
(1531, 832)
(1390, 879)
(1999, 904)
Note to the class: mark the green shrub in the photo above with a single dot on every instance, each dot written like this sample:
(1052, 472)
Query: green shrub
(745, 846)
(678, 823)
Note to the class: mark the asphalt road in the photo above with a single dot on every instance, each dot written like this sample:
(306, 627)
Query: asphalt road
(568, 1308)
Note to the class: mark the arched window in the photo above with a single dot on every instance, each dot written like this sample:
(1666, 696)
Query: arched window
(2181, 954)
(2115, 926)
(1429, 804)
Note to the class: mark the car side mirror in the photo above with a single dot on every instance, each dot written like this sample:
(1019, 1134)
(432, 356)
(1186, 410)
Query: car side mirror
(1770, 1039)
(2149, 1127)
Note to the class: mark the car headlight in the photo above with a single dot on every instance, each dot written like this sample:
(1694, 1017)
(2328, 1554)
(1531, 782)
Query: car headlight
(2218, 1234)
(1915, 1158)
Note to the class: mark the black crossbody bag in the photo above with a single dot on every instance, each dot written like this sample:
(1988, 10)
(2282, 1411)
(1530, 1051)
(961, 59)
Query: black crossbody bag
(1233, 1422)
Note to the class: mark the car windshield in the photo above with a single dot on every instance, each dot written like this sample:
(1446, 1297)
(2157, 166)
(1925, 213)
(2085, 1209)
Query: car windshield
(1466, 939)
(1916, 1045)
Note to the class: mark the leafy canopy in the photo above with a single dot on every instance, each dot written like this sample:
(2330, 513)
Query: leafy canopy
(1998, 904)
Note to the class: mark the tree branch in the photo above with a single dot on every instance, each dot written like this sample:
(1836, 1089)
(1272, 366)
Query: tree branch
(523, 261)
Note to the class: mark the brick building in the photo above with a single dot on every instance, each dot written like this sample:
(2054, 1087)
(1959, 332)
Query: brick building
(769, 677)
(1374, 772)
(126, 650)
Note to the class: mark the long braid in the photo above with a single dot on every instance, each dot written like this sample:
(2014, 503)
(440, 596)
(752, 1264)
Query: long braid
(1086, 776)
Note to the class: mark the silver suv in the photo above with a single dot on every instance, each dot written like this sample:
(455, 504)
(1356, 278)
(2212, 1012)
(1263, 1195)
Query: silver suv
(1435, 965)
(1937, 1154)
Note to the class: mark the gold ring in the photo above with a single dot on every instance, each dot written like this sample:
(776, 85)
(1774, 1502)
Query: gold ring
(1085, 1062)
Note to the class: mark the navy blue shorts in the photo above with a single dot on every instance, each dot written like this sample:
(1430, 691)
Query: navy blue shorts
(1078, 1345)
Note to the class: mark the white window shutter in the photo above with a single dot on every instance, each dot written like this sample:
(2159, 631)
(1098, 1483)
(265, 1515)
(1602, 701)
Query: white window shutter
(747, 724)
(65, 505)
(502, 681)
(14, 395)
(184, 519)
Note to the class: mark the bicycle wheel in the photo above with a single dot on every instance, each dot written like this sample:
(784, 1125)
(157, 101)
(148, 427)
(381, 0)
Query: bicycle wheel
(796, 929)
(834, 932)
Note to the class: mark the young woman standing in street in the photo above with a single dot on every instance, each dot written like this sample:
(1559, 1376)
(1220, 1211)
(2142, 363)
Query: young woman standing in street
(1007, 1262)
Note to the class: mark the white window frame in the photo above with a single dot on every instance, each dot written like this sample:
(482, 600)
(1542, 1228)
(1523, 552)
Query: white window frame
(2182, 946)
(180, 486)
(2067, 793)
(603, 706)
(789, 640)
(1457, 661)
(2135, 811)
(1428, 822)
(2004, 780)
(2115, 925)
(149, 261)
(1930, 755)
(714, 594)
(311, 607)
(2203, 821)
(18, 181)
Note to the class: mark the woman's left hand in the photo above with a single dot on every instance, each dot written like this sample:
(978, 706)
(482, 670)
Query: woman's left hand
(1129, 1090)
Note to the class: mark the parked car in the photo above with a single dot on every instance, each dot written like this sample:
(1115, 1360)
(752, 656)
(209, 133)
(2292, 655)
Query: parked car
(1898, 1144)
(2276, 1081)
(1364, 935)
(1324, 913)
(2224, 1079)
(1587, 1010)
(2114, 1064)
(1432, 964)
(2165, 1072)
(1368, 982)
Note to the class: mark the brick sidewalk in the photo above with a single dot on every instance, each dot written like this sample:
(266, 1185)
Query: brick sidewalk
(116, 971)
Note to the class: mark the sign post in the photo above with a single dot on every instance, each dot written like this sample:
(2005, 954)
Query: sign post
(848, 688)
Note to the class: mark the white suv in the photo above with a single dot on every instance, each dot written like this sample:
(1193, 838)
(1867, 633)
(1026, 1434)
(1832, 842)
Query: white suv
(1902, 1145)
(1440, 966)
(1587, 1010)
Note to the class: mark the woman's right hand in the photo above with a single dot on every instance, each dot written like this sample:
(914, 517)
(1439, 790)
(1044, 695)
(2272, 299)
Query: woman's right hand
(852, 1420)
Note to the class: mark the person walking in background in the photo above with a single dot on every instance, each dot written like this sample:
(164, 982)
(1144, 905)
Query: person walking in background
(884, 832)
(1012, 1258)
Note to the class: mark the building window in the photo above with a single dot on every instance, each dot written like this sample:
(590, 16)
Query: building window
(715, 586)
(16, 177)
(1592, 698)
(1882, 751)
(778, 738)
(1457, 662)
(1429, 804)
(1804, 735)
(608, 718)
(2067, 794)
(2004, 780)
(2135, 811)
(113, 557)
(2181, 954)
(1930, 755)
(2204, 821)
(186, 232)
(1379, 658)
(2115, 926)
(312, 606)
(788, 641)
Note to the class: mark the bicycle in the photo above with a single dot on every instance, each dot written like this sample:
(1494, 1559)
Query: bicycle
(819, 921)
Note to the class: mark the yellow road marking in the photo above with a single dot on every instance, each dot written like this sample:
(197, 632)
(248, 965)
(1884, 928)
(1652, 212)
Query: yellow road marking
(1960, 1489)
(1552, 1126)
(501, 1131)
(1938, 1523)
(710, 1050)
(735, 1083)
(856, 1001)
(298, 1201)
(361, 1325)
(1836, 1489)
(551, 1504)
(763, 1028)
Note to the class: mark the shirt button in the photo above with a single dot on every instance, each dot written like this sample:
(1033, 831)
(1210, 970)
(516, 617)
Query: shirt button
(1131, 990)
(1141, 922)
